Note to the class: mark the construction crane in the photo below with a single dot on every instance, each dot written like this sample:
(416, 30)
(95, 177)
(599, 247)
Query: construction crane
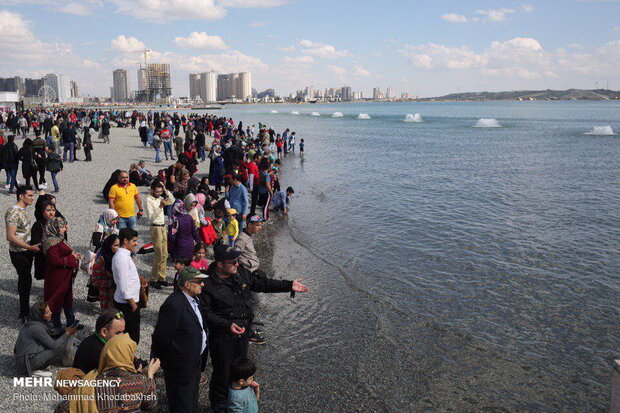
(144, 52)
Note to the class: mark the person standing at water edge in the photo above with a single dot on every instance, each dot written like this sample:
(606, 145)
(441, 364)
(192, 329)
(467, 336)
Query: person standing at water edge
(226, 302)
(180, 342)
(122, 198)
(18, 228)
(127, 280)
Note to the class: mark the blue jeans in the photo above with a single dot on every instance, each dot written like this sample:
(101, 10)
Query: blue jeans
(168, 148)
(68, 147)
(157, 155)
(56, 188)
(131, 222)
(202, 153)
(11, 171)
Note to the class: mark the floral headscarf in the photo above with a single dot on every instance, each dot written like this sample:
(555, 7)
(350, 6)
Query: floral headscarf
(51, 233)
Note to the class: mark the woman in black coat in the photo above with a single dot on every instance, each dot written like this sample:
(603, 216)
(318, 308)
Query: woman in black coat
(29, 166)
(88, 144)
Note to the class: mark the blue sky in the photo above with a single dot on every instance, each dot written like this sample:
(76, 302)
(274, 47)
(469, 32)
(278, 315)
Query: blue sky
(424, 48)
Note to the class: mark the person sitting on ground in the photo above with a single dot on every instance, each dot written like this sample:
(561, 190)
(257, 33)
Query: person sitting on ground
(244, 391)
(36, 349)
(109, 324)
(135, 177)
(136, 392)
(280, 200)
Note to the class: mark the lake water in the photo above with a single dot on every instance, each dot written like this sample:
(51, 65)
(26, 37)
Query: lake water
(453, 267)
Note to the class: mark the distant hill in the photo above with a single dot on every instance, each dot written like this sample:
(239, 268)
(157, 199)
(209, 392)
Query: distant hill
(570, 94)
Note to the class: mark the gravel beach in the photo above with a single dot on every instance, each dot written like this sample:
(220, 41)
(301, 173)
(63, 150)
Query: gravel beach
(81, 203)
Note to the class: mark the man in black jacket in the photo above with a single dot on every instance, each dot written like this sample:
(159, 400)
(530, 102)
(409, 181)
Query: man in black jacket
(180, 342)
(226, 299)
(109, 324)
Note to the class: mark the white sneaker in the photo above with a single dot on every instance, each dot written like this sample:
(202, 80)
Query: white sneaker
(43, 186)
(42, 373)
(7, 186)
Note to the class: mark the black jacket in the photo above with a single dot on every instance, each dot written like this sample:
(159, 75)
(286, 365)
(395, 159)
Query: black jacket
(177, 338)
(227, 300)
(9, 153)
(87, 354)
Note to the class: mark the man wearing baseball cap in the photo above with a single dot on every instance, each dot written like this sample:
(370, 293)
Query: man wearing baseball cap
(180, 341)
(226, 298)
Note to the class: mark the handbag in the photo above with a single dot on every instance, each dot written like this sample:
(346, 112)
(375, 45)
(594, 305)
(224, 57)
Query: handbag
(87, 262)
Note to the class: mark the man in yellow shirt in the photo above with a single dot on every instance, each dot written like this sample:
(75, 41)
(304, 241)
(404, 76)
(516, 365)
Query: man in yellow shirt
(123, 198)
(56, 137)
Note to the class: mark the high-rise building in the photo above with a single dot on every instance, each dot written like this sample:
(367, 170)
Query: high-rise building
(376, 93)
(60, 84)
(33, 86)
(203, 86)
(120, 85)
(309, 92)
(142, 79)
(346, 93)
(389, 94)
(234, 86)
(158, 81)
(75, 93)
(12, 84)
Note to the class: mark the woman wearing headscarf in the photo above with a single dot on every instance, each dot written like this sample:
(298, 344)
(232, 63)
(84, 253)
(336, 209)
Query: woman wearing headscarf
(61, 267)
(29, 165)
(101, 277)
(182, 232)
(181, 184)
(105, 227)
(36, 349)
(216, 175)
(44, 211)
(135, 392)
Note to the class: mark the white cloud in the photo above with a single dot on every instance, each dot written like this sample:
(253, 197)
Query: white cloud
(434, 55)
(230, 61)
(258, 24)
(337, 70)
(161, 11)
(617, 28)
(126, 44)
(361, 72)
(328, 51)
(298, 60)
(495, 15)
(487, 15)
(79, 9)
(260, 4)
(200, 41)
(310, 43)
(454, 18)
(286, 48)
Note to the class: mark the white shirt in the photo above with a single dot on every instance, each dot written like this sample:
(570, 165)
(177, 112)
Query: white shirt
(194, 303)
(125, 276)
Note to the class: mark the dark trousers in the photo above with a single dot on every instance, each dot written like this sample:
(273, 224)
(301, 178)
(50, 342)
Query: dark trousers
(87, 154)
(41, 168)
(132, 320)
(224, 349)
(182, 390)
(22, 261)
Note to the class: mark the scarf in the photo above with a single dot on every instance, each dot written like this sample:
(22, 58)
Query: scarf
(118, 352)
(105, 220)
(51, 233)
(36, 316)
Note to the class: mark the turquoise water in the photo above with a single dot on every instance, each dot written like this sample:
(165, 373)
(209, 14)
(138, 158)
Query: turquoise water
(482, 263)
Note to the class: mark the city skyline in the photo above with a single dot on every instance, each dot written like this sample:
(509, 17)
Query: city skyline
(416, 48)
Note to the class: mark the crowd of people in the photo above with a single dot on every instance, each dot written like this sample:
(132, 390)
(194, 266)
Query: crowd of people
(209, 314)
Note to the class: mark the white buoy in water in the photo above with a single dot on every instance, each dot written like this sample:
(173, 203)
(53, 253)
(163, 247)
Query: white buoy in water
(337, 115)
(316, 114)
(274, 111)
(363, 116)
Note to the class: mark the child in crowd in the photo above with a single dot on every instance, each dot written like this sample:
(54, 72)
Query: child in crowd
(200, 252)
(244, 392)
(179, 265)
(232, 230)
(218, 224)
(301, 147)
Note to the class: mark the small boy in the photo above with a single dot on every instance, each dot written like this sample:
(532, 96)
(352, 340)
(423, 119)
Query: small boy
(244, 391)
(232, 230)
(301, 147)
(179, 265)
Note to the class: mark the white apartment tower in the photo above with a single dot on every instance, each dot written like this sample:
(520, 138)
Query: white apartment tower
(203, 86)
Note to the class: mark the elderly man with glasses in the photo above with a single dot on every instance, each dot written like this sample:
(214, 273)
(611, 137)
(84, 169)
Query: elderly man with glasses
(225, 301)
(123, 198)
